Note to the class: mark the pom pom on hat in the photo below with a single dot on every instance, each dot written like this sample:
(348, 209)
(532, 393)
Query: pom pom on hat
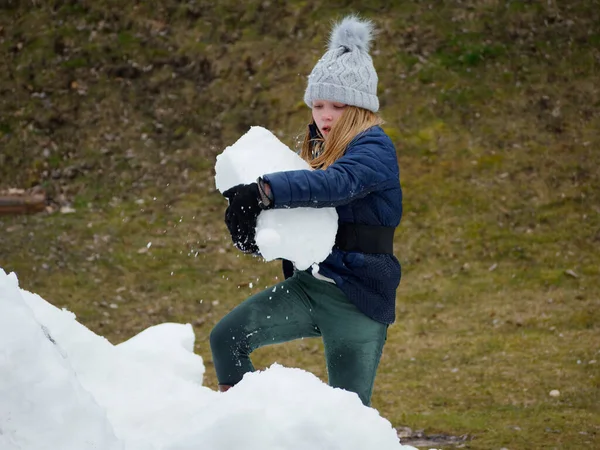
(345, 73)
(352, 33)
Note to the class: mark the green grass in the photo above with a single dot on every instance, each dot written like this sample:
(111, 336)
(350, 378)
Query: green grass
(493, 107)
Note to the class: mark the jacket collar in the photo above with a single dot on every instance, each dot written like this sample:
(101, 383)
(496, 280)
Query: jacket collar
(313, 132)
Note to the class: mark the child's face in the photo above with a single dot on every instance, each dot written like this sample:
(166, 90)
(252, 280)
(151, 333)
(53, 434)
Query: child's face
(326, 114)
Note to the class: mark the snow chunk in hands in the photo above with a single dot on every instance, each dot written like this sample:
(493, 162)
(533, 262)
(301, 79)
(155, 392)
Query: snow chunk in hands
(301, 235)
(254, 154)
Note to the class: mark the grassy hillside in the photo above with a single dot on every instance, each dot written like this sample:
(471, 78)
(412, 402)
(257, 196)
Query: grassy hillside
(118, 109)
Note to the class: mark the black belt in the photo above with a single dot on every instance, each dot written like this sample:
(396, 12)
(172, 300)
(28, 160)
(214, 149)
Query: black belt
(353, 237)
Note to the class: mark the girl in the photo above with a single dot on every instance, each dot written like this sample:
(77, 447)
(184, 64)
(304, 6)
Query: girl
(350, 300)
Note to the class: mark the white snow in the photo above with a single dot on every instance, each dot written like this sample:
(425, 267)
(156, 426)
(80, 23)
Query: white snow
(64, 387)
(41, 401)
(302, 235)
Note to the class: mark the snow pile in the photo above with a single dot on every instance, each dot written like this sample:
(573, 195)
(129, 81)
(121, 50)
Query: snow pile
(64, 387)
(168, 347)
(283, 408)
(41, 402)
(282, 233)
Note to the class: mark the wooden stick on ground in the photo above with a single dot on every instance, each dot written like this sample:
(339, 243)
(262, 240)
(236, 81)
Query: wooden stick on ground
(22, 204)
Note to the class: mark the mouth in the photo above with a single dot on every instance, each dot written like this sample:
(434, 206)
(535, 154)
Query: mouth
(326, 129)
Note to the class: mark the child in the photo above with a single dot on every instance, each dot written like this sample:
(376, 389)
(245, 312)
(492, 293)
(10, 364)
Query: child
(350, 300)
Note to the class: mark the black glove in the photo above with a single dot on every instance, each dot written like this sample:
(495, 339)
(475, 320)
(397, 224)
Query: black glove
(240, 216)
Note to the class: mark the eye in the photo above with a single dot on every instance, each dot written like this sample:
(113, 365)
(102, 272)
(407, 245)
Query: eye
(317, 106)
(339, 106)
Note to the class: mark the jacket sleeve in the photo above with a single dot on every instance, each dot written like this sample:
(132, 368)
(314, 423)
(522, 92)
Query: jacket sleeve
(369, 164)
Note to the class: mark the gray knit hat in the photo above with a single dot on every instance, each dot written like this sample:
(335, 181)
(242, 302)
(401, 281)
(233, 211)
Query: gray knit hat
(345, 73)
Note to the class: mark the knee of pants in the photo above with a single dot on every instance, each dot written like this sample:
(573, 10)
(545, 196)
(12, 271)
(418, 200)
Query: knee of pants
(218, 338)
(227, 339)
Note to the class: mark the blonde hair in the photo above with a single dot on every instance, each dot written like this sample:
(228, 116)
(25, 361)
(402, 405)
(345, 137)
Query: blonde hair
(353, 121)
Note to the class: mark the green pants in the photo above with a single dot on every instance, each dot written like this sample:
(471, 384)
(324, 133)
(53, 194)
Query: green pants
(302, 306)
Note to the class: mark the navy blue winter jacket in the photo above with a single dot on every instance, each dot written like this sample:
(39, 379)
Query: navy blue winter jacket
(364, 187)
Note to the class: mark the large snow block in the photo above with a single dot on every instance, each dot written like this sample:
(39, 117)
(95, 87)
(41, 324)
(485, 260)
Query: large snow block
(301, 235)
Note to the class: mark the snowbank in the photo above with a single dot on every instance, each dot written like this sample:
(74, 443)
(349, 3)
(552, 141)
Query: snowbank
(64, 387)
